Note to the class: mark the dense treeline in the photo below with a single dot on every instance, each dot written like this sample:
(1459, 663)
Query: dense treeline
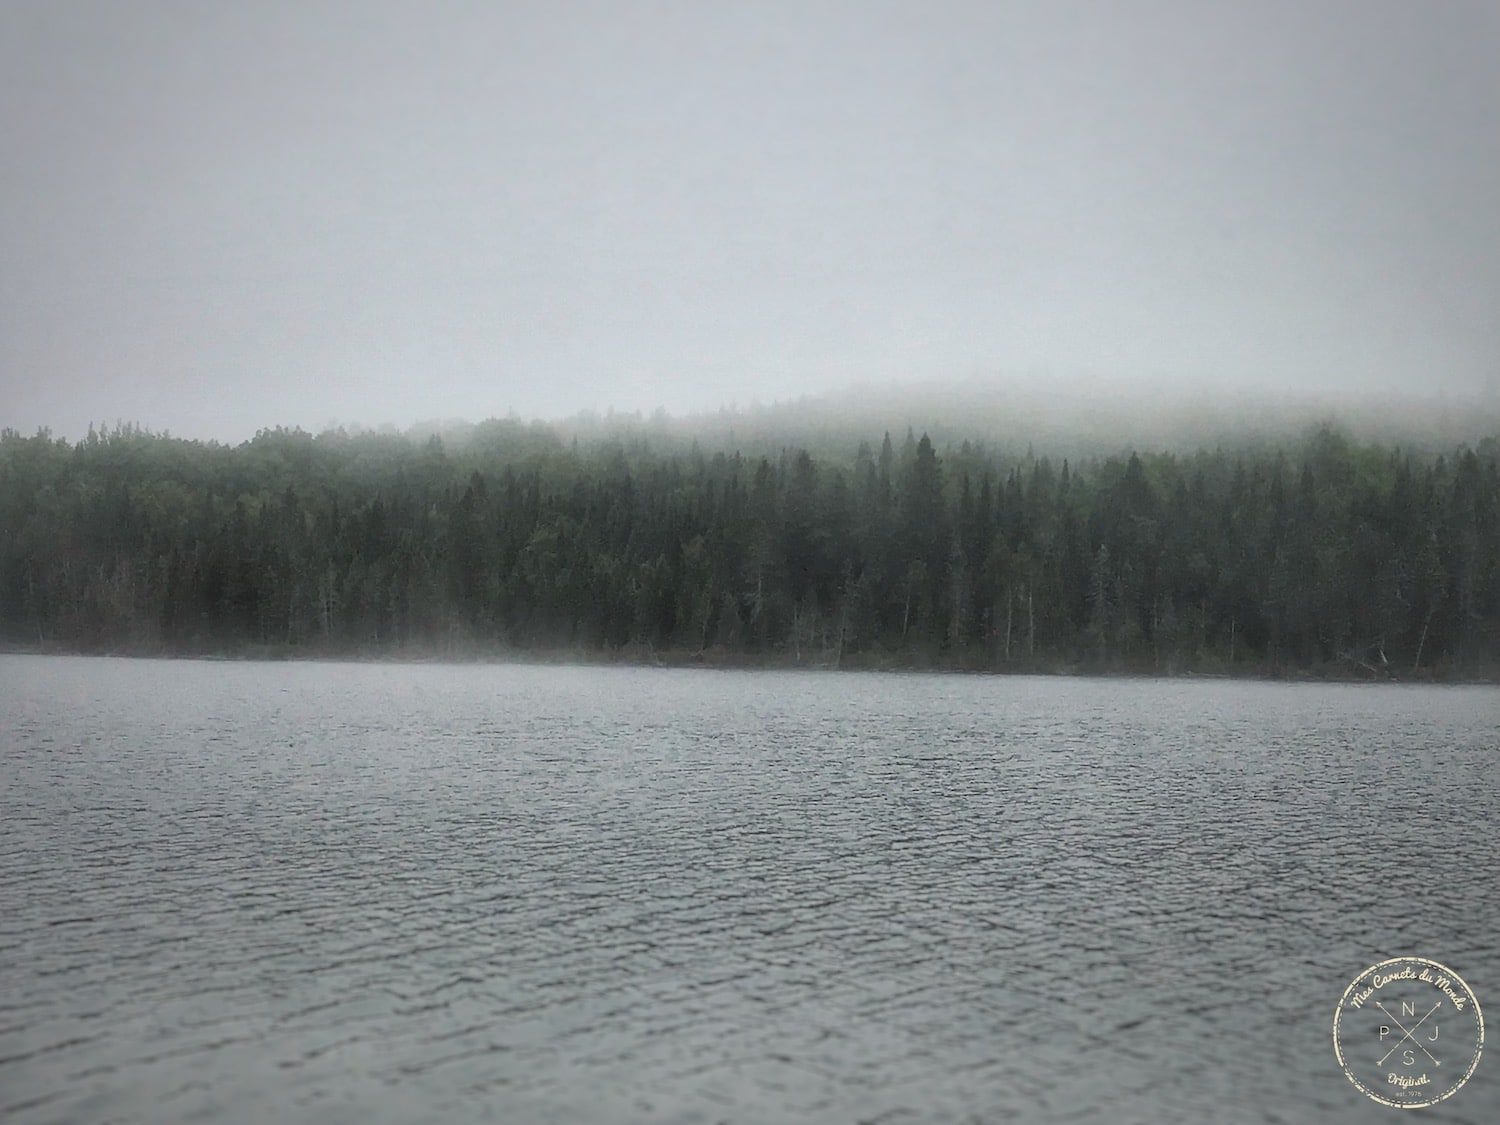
(1323, 555)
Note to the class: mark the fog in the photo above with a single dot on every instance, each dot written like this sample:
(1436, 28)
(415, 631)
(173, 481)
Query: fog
(1082, 416)
(1096, 417)
(221, 219)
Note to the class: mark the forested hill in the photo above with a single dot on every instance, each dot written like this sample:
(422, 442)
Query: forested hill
(1323, 555)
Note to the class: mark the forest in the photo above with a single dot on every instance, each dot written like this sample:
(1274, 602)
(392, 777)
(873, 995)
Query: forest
(1317, 555)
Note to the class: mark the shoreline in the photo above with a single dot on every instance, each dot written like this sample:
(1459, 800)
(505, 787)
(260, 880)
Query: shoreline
(718, 660)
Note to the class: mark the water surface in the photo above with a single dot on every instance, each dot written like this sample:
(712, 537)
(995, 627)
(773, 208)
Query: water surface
(247, 892)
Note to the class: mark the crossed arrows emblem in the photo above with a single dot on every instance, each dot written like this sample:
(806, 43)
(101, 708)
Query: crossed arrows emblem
(1408, 1034)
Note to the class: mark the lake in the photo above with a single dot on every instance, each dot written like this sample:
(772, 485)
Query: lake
(250, 892)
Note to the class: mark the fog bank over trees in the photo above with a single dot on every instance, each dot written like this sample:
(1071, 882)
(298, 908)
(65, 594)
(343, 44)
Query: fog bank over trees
(1070, 416)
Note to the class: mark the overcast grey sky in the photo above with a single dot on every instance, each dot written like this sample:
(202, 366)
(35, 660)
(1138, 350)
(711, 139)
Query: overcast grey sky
(218, 217)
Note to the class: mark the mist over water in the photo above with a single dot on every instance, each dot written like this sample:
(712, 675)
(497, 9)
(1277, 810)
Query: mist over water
(325, 892)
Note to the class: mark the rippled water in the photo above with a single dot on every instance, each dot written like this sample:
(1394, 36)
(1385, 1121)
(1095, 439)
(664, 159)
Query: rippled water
(378, 893)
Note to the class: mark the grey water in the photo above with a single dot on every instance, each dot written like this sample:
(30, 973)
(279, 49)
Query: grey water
(248, 892)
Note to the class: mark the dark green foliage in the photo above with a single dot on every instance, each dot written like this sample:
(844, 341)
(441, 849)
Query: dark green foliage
(1322, 554)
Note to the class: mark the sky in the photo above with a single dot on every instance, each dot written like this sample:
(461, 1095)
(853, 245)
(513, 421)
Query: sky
(217, 218)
